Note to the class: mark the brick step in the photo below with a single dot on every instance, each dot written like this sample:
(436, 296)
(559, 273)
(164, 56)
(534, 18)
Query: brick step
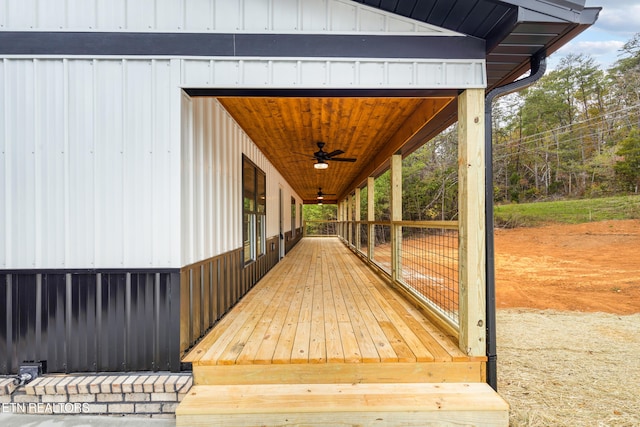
(96, 384)
(6, 386)
(149, 394)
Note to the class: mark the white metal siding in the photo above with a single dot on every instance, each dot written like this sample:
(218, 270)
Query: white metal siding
(252, 16)
(89, 162)
(99, 167)
(334, 73)
(260, 16)
(5, 171)
(212, 148)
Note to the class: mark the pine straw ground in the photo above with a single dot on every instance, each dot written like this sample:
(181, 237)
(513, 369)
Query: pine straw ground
(569, 368)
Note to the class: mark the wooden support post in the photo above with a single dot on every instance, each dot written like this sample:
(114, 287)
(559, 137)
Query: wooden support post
(471, 200)
(371, 214)
(339, 215)
(343, 216)
(396, 215)
(357, 218)
(350, 211)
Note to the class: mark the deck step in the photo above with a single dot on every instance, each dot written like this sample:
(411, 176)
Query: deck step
(415, 404)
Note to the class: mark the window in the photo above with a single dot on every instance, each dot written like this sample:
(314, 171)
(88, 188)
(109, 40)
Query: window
(254, 190)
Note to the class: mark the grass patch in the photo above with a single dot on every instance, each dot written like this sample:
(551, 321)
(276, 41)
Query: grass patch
(567, 211)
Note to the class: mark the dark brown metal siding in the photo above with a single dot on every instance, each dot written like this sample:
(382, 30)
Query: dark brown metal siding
(210, 288)
(90, 321)
(290, 240)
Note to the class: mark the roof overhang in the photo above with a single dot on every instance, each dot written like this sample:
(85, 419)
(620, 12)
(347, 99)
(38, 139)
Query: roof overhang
(400, 121)
(368, 77)
(514, 30)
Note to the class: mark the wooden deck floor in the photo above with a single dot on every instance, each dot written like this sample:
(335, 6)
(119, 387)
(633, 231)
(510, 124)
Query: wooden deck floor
(323, 316)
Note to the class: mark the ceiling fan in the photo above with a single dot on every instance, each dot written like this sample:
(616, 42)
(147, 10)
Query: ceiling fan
(321, 194)
(322, 157)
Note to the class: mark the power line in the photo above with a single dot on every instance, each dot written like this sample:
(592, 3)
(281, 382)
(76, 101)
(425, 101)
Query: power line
(574, 128)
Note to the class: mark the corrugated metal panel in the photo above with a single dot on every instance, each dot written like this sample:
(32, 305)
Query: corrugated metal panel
(89, 163)
(212, 148)
(5, 165)
(88, 322)
(81, 158)
(206, 16)
(333, 73)
(4, 168)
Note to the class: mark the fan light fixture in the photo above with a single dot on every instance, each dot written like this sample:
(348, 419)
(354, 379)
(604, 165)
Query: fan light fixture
(321, 195)
(320, 165)
(322, 157)
(319, 202)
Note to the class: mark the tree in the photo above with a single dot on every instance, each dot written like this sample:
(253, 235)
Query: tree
(429, 179)
(625, 79)
(628, 167)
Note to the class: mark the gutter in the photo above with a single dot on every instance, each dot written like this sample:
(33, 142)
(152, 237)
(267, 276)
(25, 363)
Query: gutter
(538, 68)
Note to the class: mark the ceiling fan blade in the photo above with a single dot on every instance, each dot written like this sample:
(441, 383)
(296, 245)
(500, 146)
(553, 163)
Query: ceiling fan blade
(334, 153)
(311, 157)
(342, 159)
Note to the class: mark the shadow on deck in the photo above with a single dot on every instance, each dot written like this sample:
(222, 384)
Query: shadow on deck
(322, 338)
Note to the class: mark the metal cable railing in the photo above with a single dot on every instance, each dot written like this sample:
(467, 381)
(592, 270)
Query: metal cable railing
(426, 257)
(320, 228)
(429, 259)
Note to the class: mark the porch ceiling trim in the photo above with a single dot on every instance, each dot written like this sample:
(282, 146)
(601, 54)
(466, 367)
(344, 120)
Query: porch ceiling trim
(332, 73)
(99, 44)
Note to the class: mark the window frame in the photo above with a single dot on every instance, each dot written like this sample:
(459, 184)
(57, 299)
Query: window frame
(254, 212)
(293, 217)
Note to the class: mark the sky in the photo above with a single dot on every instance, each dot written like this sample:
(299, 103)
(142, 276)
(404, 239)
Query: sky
(619, 20)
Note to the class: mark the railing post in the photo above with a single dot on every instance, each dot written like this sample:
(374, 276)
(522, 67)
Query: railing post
(357, 219)
(339, 224)
(471, 208)
(396, 216)
(371, 216)
(350, 219)
(345, 230)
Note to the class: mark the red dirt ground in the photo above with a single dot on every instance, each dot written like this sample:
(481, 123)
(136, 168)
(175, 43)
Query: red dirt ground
(592, 267)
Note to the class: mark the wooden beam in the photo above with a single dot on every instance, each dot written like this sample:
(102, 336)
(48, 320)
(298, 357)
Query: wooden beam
(332, 373)
(471, 204)
(396, 215)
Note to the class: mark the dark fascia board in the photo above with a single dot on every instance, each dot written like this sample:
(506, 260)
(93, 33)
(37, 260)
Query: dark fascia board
(241, 45)
(320, 93)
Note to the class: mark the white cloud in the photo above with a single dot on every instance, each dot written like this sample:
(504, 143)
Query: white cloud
(618, 21)
(618, 16)
(594, 48)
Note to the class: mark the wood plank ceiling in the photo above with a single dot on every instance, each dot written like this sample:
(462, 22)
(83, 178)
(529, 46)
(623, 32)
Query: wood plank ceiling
(286, 129)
